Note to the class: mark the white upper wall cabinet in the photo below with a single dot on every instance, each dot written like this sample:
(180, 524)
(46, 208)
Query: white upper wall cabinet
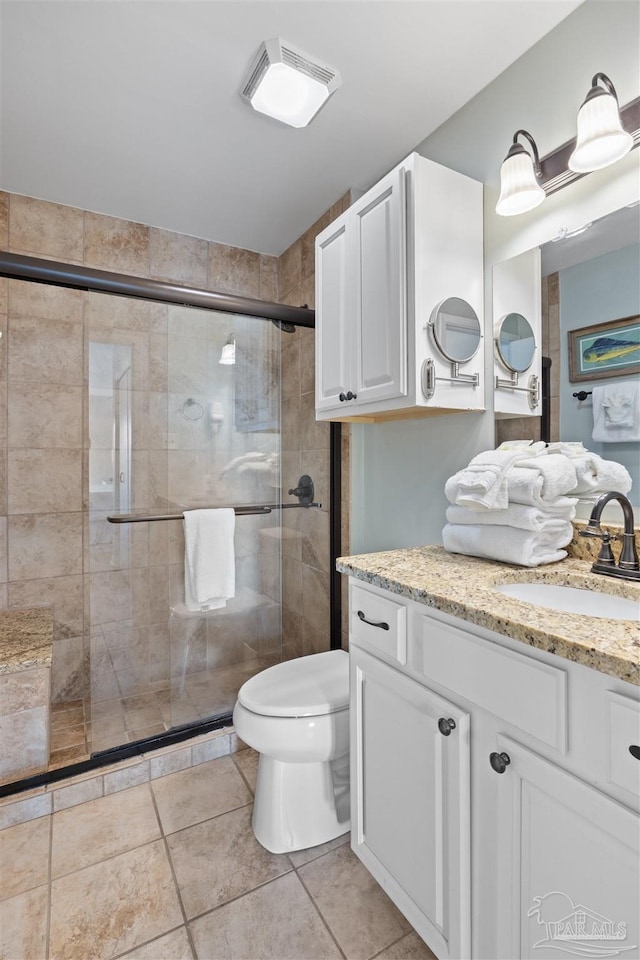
(399, 298)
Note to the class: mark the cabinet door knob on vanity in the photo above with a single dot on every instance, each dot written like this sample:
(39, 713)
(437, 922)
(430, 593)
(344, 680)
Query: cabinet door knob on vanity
(347, 396)
(373, 623)
(499, 761)
(634, 750)
(445, 726)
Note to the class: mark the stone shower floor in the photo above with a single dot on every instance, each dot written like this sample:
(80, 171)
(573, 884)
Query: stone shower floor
(170, 870)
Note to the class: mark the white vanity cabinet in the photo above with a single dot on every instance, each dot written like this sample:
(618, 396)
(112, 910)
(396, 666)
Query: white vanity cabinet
(382, 268)
(516, 833)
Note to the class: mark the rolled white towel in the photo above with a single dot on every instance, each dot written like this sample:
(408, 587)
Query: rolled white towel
(507, 544)
(518, 515)
(483, 484)
(539, 482)
(595, 475)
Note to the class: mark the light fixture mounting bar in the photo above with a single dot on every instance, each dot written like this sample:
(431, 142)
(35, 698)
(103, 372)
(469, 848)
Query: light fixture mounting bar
(555, 165)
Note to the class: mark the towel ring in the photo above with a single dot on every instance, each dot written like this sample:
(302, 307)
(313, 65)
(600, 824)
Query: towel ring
(188, 403)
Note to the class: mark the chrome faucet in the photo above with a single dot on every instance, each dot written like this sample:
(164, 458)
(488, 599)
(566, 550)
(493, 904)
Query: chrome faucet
(628, 567)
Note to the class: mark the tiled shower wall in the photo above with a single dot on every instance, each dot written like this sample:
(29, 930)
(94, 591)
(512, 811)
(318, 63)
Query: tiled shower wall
(305, 450)
(51, 460)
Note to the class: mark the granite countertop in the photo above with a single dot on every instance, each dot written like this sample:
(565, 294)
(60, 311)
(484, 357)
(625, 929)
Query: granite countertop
(462, 587)
(26, 638)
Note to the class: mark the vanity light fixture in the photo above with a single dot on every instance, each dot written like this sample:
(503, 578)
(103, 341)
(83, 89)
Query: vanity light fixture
(287, 84)
(520, 189)
(601, 138)
(228, 354)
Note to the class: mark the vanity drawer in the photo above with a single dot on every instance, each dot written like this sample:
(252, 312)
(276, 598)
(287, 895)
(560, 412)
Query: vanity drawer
(623, 720)
(525, 692)
(378, 623)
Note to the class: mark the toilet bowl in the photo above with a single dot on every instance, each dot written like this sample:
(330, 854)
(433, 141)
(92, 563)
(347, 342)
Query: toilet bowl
(296, 715)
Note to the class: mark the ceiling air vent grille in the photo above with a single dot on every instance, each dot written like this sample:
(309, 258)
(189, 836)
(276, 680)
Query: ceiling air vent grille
(304, 65)
(256, 74)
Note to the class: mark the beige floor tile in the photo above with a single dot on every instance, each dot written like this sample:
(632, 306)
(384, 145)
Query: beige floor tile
(112, 906)
(360, 915)
(23, 926)
(300, 857)
(247, 762)
(101, 828)
(220, 859)
(199, 793)
(274, 922)
(411, 947)
(24, 856)
(173, 946)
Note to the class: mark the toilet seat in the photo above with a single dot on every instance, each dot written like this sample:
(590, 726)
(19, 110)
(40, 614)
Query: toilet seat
(308, 686)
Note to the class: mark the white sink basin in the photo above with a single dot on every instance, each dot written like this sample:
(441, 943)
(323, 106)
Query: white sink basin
(587, 603)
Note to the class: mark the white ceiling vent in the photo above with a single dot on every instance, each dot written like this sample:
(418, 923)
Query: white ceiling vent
(288, 84)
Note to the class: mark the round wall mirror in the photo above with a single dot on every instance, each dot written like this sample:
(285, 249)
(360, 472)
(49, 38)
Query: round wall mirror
(456, 329)
(515, 342)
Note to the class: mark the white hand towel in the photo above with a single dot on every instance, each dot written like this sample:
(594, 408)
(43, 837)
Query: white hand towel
(517, 515)
(616, 412)
(209, 558)
(483, 484)
(522, 547)
(542, 480)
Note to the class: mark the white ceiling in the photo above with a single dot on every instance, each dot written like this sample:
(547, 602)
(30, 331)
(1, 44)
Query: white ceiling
(131, 107)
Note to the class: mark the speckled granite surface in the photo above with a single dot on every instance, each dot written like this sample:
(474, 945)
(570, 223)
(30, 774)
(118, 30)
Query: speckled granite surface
(462, 587)
(26, 638)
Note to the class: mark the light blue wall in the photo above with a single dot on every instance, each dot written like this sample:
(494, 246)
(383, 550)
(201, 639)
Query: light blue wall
(606, 288)
(399, 469)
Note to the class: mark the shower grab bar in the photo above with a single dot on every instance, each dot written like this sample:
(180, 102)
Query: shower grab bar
(240, 511)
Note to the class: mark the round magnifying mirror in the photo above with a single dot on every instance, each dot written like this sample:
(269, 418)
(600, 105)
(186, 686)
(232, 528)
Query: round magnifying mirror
(515, 342)
(456, 329)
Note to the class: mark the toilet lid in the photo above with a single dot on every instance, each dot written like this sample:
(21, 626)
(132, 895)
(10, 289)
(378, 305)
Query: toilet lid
(305, 687)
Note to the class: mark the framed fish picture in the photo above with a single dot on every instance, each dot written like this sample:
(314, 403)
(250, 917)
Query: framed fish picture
(605, 350)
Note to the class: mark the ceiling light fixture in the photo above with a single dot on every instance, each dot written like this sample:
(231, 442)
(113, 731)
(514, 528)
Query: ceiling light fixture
(287, 84)
(520, 189)
(601, 139)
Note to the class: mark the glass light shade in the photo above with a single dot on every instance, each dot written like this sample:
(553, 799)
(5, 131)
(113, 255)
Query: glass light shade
(228, 354)
(519, 188)
(288, 95)
(601, 140)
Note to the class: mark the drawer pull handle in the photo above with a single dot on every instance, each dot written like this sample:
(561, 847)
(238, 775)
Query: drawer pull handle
(445, 726)
(373, 623)
(499, 761)
(634, 750)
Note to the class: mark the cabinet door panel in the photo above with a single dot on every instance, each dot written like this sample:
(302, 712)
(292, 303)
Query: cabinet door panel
(410, 800)
(335, 372)
(568, 864)
(380, 275)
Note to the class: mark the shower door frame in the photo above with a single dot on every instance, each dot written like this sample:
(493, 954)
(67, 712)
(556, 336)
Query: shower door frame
(57, 273)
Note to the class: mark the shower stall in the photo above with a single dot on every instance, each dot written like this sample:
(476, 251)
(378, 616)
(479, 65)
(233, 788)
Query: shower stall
(123, 412)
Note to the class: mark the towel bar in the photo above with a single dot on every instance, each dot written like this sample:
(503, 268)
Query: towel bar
(240, 511)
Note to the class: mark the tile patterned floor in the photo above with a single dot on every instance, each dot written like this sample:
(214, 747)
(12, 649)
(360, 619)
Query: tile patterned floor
(170, 870)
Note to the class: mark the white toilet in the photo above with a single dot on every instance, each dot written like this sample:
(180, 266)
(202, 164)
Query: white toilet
(296, 715)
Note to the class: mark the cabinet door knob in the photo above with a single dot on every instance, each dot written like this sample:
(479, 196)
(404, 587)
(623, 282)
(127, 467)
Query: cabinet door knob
(351, 396)
(445, 726)
(634, 750)
(373, 623)
(499, 761)
(342, 397)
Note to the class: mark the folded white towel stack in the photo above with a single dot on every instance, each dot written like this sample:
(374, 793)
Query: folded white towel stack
(616, 412)
(209, 558)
